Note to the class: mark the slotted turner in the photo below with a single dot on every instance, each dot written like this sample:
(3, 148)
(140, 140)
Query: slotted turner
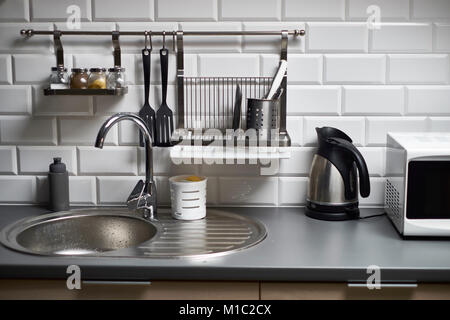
(164, 116)
(147, 113)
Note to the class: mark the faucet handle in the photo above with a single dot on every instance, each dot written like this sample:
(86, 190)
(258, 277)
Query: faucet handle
(143, 197)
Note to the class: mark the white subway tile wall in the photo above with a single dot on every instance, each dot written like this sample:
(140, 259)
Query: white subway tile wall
(364, 79)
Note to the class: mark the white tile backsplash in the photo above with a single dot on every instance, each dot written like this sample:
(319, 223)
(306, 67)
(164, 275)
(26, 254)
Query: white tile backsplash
(390, 10)
(337, 37)
(415, 37)
(442, 37)
(250, 10)
(378, 127)
(5, 69)
(50, 10)
(299, 163)
(426, 9)
(427, 100)
(355, 68)
(314, 10)
(8, 160)
(115, 190)
(31, 68)
(419, 68)
(353, 126)
(35, 160)
(292, 191)
(439, 124)
(14, 11)
(372, 100)
(109, 160)
(376, 197)
(303, 68)
(83, 131)
(186, 10)
(15, 100)
(363, 81)
(251, 191)
(308, 99)
(27, 130)
(118, 10)
(230, 65)
(18, 189)
(60, 105)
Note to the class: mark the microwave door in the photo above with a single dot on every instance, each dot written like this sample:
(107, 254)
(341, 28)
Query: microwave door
(428, 190)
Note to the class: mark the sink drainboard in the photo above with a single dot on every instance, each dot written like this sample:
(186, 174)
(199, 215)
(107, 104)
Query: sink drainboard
(220, 232)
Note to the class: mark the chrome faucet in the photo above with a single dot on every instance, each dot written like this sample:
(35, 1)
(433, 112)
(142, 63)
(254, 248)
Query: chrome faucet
(143, 196)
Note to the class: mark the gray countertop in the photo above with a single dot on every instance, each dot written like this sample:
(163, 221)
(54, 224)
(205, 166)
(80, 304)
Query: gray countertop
(297, 248)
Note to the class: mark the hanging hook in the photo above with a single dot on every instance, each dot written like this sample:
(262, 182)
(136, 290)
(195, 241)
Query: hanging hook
(173, 40)
(151, 43)
(146, 39)
(164, 39)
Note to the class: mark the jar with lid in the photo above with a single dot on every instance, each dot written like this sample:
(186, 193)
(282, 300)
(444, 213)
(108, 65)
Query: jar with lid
(97, 78)
(116, 78)
(59, 78)
(79, 78)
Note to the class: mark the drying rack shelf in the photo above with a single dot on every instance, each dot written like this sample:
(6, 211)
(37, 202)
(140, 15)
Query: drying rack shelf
(217, 153)
(85, 92)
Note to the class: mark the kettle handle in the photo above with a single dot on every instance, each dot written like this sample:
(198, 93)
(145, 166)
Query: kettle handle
(364, 181)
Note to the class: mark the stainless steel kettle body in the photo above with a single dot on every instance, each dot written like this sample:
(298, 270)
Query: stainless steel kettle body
(333, 184)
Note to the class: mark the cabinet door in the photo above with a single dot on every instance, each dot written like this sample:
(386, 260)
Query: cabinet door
(340, 291)
(176, 290)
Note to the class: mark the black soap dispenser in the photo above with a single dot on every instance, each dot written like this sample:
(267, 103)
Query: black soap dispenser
(58, 181)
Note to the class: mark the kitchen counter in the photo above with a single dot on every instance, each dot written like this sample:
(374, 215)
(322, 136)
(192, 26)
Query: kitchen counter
(297, 248)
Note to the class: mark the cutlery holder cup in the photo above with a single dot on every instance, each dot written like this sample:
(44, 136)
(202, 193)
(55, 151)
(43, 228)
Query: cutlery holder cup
(263, 115)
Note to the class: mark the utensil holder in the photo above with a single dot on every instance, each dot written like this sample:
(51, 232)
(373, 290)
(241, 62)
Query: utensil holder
(188, 198)
(263, 115)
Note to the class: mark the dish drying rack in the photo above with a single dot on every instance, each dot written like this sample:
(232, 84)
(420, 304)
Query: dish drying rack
(206, 103)
(203, 103)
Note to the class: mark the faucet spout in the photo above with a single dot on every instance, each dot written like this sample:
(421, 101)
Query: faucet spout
(143, 195)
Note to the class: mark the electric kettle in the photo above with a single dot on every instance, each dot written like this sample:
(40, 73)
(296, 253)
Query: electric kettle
(333, 184)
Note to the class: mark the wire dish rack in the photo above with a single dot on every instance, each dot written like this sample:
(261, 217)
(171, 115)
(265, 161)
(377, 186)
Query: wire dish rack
(206, 103)
(209, 101)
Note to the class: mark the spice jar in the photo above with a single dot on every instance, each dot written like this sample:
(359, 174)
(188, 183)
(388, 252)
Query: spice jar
(97, 78)
(79, 78)
(59, 79)
(116, 78)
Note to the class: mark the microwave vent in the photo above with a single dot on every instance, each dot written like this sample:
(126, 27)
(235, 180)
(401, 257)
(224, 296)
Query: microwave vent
(392, 200)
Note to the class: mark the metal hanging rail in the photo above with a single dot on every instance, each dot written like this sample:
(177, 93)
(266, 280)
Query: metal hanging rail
(31, 32)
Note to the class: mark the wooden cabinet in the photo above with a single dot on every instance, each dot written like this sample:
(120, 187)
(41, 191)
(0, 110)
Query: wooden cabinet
(179, 290)
(214, 290)
(340, 291)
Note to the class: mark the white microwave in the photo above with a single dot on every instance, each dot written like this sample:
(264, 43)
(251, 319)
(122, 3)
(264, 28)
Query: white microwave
(417, 193)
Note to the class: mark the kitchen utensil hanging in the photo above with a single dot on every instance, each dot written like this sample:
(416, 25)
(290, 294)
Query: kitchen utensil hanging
(147, 113)
(202, 102)
(164, 116)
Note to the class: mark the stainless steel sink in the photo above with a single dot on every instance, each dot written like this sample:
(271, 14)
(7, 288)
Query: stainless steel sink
(78, 232)
(119, 233)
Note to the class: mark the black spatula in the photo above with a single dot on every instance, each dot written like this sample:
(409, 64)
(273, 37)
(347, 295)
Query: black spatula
(147, 113)
(164, 116)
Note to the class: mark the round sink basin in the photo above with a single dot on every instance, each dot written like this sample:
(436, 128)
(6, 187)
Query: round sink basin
(78, 232)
